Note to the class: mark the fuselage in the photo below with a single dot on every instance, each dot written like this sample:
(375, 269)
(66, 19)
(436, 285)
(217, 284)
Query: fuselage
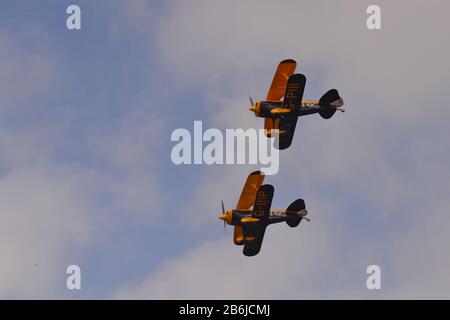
(241, 217)
(274, 109)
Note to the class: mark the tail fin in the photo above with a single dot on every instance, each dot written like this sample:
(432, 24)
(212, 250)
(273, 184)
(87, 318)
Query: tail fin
(330, 102)
(295, 206)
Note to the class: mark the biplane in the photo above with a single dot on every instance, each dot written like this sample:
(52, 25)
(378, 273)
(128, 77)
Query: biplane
(253, 214)
(284, 104)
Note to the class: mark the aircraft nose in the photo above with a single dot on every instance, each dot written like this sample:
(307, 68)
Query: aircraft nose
(223, 217)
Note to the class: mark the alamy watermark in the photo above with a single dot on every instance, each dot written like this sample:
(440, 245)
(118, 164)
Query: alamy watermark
(374, 280)
(73, 281)
(373, 21)
(236, 146)
(73, 21)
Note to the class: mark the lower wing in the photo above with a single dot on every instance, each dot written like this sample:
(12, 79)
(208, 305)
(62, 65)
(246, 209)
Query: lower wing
(287, 130)
(253, 239)
(238, 236)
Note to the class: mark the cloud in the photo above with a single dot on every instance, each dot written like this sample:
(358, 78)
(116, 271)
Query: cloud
(286, 268)
(44, 223)
(368, 174)
(27, 78)
(74, 161)
(128, 150)
(45, 206)
(374, 178)
(136, 18)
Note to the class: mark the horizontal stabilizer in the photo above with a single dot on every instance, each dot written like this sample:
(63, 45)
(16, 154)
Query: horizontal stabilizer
(296, 206)
(330, 102)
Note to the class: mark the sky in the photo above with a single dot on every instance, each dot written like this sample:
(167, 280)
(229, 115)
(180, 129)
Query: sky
(86, 176)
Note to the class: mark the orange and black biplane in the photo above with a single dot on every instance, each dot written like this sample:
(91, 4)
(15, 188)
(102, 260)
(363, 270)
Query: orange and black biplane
(281, 113)
(253, 214)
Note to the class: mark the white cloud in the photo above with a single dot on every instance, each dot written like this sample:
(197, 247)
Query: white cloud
(381, 150)
(53, 185)
(45, 207)
(129, 150)
(135, 18)
(390, 149)
(286, 268)
(27, 77)
(44, 223)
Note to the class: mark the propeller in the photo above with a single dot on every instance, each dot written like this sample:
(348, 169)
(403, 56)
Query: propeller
(253, 106)
(224, 216)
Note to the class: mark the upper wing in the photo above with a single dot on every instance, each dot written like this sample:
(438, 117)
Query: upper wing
(285, 69)
(248, 195)
(252, 247)
(254, 234)
(292, 101)
(263, 201)
(294, 92)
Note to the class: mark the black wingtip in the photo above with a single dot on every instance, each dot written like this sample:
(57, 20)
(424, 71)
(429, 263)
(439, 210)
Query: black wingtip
(288, 61)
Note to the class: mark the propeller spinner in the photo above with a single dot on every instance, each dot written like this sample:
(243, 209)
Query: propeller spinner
(254, 106)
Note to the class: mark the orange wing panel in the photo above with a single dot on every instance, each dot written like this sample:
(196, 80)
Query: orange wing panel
(269, 125)
(238, 237)
(285, 69)
(248, 195)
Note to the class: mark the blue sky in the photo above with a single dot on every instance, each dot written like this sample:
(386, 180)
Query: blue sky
(86, 177)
